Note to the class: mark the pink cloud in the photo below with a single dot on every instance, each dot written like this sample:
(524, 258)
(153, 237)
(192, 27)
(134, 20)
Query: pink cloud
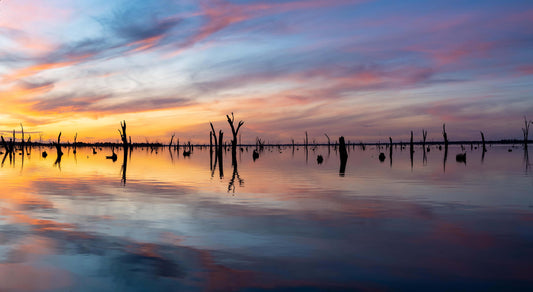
(35, 69)
(43, 66)
(220, 14)
(25, 14)
(145, 44)
(525, 70)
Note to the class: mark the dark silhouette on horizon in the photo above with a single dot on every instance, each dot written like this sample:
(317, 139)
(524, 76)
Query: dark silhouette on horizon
(75, 142)
(445, 136)
(390, 151)
(525, 131)
(343, 155)
(411, 150)
(13, 146)
(124, 168)
(58, 151)
(461, 157)
(218, 149)
(235, 132)
(123, 135)
(113, 156)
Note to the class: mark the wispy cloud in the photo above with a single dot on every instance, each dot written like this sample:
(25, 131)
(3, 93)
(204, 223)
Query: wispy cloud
(91, 103)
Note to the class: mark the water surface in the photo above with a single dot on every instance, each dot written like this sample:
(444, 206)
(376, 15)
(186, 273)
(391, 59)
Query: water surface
(164, 222)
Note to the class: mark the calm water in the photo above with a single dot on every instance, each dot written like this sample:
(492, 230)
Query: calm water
(170, 223)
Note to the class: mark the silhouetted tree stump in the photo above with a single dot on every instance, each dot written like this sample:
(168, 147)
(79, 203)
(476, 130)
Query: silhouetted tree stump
(123, 135)
(343, 155)
(483, 140)
(445, 136)
(234, 131)
(461, 157)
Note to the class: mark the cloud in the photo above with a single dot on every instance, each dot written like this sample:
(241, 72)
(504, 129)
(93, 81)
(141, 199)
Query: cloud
(138, 30)
(525, 70)
(66, 103)
(312, 83)
(35, 85)
(125, 31)
(35, 69)
(147, 104)
(92, 103)
(22, 91)
(130, 29)
(217, 15)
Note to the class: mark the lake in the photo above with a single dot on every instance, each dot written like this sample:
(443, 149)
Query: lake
(165, 222)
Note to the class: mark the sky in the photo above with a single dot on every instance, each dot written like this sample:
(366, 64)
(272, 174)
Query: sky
(363, 69)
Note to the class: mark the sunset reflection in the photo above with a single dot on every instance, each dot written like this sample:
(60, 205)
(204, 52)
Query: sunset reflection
(173, 224)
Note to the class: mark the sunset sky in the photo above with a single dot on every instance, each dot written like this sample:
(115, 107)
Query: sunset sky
(363, 69)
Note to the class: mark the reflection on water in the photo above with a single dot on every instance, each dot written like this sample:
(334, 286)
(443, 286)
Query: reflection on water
(178, 224)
